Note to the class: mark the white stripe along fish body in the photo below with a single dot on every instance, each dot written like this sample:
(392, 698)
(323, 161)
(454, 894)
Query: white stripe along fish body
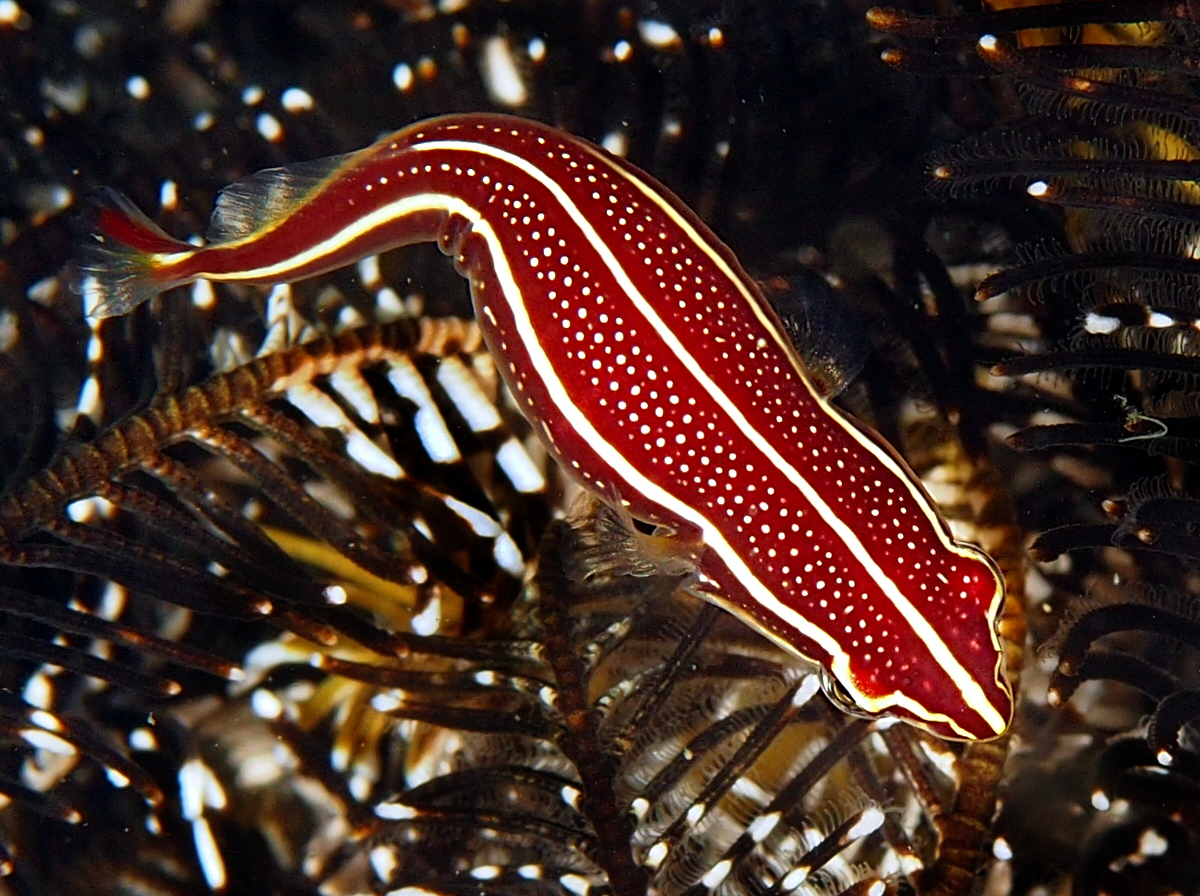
(657, 375)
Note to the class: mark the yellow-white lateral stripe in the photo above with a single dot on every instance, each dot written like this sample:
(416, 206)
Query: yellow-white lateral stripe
(970, 689)
(409, 205)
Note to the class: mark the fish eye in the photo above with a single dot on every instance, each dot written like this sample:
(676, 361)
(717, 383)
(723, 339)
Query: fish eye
(837, 694)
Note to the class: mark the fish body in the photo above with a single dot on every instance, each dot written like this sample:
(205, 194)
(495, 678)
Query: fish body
(657, 375)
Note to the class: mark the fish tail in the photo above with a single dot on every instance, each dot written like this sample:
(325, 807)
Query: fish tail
(120, 261)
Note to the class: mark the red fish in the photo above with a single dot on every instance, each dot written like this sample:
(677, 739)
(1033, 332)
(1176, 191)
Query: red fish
(657, 375)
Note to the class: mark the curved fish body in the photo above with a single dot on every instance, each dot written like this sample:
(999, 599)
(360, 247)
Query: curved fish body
(657, 375)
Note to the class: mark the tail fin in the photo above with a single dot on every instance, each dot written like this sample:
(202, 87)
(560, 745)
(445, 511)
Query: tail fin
(116, 268)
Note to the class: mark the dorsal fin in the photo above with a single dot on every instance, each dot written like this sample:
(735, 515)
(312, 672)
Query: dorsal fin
(265, 196)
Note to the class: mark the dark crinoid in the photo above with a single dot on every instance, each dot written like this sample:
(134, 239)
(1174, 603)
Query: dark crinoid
(1100, 308)
(284, 603)
(181, 536)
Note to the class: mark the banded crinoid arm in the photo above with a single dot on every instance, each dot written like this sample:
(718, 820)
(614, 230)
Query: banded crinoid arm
(246, 395)
(292, 491)
(201, 415)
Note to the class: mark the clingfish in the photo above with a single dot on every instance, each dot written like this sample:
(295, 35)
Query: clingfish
(657, 375)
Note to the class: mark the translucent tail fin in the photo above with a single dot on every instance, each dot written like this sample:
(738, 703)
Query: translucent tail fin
(116, 267)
